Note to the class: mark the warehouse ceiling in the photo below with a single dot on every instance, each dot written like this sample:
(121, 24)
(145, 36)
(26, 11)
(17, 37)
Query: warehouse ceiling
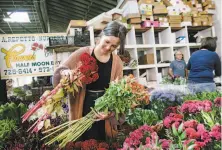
(49, 15)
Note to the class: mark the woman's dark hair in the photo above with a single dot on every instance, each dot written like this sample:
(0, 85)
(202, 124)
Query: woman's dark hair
(116, 29)
(209, 43)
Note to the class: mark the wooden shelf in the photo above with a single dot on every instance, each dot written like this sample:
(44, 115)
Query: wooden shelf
(148, 66)
(162, 65)
(63, 48)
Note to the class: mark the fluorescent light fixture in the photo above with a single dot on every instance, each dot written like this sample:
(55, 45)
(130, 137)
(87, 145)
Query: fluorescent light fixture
(17, 17)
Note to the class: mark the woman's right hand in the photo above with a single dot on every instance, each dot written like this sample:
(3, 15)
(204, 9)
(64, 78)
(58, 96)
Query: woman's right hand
(68, 73)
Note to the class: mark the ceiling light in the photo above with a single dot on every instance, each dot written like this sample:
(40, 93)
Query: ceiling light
(17, 17)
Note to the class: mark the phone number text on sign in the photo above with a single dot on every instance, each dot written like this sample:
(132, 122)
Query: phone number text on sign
(25, 71)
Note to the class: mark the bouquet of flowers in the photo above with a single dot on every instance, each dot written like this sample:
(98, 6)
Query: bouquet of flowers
(121, 96)
(50, 104)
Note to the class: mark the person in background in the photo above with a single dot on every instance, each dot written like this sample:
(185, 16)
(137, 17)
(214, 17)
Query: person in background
(178, 66)
(110, 67)
(201, 64)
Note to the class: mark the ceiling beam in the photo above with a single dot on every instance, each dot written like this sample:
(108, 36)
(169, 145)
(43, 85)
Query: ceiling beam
(67, 9)
(105, 7)
(37, 8)
(66, 15)
(44, 12)
(76, 5)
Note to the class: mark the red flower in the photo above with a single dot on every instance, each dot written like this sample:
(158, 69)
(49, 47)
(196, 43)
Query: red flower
(102, 148)
(190, 124)
(95, 76)
(78, 145)
(165, 144)
(192, 133)
(216, 132)
(173, 118)
(218, 102)
(115, 145)
(85, 70)
(86, 80)
(207, 105)
(40, 46)
(85, 58)
(195, 106)
(103, 145)
(69, 146)
(169, 110)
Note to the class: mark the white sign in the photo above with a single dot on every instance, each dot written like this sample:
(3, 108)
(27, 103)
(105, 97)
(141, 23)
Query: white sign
(25, 55)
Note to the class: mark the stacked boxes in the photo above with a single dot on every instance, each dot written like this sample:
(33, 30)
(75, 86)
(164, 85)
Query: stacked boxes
(175, 20)
(174, 13)
(159, 8)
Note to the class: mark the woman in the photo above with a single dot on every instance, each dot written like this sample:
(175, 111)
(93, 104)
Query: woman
(202, 64)
(110, 68)
(178, 66)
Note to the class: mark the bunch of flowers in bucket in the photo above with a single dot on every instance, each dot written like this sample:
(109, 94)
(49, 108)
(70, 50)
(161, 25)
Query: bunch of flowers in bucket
(194, 125)
(50, 103)
(121, 96)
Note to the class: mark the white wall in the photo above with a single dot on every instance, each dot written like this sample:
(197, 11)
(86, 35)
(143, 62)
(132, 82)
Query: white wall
(218, 26)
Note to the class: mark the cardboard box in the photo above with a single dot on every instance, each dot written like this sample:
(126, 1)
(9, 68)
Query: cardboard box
(210, 6)
(197, 19)
(136, 26)
(164, 24)
(135, 20)
(187, 19)
(117, 16)
(76, 24)
(186, 23)
(163, 19)
(146, 59)
(149, 23)
(175, 25)
(187, 14)
(160, 11)
(167, 3)
(172, 10)
(206, 23)
(197, 24)
(144, 17)
(176, 17)
(146, 2)
(146, 9)
(128, 16)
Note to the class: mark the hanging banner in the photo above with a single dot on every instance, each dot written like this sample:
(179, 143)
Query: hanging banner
(25, 55)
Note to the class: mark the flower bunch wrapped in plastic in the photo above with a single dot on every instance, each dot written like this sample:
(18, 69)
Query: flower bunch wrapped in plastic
(121, 96)
(50, 103)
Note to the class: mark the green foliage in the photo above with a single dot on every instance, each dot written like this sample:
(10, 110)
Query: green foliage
(139, 117)
(19, 92)
(12, 111)
(6, 129)
(203, 96)
(177, 81)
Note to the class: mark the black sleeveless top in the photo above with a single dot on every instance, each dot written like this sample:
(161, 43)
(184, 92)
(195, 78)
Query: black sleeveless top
(104, 72)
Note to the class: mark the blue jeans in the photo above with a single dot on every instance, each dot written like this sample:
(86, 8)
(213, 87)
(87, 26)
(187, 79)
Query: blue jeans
(201, 87)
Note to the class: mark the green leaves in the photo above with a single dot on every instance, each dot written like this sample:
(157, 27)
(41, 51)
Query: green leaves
(175, 133)
(139, 117)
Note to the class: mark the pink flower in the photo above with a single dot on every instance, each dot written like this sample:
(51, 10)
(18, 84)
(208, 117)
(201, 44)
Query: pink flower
(207, 105)
(172, 118)
(195, 106)
(190, 124)
(192, 133)
(170, 110)
(165, 144)
(216, 132)
(218, 102)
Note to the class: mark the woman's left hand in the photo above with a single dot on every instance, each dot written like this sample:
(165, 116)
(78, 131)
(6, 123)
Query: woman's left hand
(103, 116)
